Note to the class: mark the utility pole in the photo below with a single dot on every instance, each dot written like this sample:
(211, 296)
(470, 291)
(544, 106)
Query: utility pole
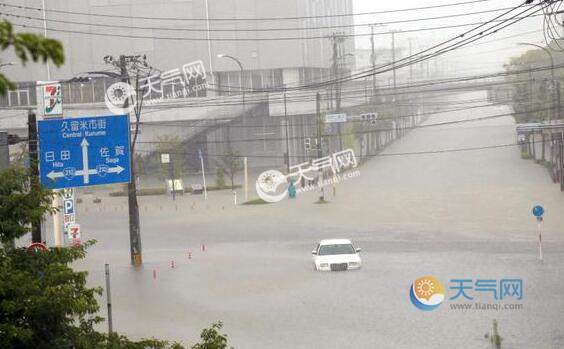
(394, 61)
(411, 65)
(558, 103)
(338, 40)
(287, 135)
(34, 166)
(134, 227)
(373, 60)
(394, 75)
(319, 145)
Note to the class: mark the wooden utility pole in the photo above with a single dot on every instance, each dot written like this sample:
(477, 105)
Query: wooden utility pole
(338, 39)
(134, 226)
(373, 60)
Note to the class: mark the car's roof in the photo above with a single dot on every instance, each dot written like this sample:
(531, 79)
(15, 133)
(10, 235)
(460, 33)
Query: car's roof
(335, 242)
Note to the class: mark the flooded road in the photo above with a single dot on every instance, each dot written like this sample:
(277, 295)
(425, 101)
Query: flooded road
(458, 214)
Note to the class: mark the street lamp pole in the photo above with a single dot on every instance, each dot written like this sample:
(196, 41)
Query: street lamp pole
(221, 55)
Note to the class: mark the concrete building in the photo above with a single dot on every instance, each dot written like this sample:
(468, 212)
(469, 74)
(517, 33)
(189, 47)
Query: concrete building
(174, 32)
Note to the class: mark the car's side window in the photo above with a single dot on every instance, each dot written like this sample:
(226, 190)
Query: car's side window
(317, 248)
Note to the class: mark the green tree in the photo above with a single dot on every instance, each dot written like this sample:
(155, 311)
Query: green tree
(220, 177)
(532, 94)
(231, 163)
(45, 303)
(28, 46)
(19, 205)
(212, 338)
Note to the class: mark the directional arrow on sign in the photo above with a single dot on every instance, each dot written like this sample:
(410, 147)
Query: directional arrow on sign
(118, 169)
(85, 173)
(54, 175)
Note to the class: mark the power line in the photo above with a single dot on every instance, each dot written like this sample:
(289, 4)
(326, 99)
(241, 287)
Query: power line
(247, 18)
(446, 123)
(399, 86)
(223, 122)
(288, 38)
(231, 30)
(410, 60)
(309, 97)
(382, 154)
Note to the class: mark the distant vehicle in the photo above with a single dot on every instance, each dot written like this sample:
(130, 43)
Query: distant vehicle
(336, 255)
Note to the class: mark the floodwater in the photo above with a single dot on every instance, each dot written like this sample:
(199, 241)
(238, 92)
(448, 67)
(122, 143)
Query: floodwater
(463, 214)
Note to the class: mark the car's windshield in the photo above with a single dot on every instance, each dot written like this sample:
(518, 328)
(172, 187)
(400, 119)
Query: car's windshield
(326, 250)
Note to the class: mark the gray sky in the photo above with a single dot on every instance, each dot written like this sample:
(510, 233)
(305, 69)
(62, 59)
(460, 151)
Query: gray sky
(487, 56)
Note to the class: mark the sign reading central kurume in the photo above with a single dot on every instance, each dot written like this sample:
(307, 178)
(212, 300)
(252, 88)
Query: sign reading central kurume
(76, 152)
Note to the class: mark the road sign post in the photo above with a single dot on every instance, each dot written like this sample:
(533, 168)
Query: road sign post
(36, 235)
(203, 173)
(538, 212)
(50, 105)
(69, 213)
(86, 151)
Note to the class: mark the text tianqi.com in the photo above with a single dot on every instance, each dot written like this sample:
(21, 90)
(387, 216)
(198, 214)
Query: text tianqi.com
(274, 186)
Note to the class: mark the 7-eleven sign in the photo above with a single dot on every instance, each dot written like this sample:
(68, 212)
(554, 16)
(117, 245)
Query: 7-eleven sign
(73, 231)
(49, 99)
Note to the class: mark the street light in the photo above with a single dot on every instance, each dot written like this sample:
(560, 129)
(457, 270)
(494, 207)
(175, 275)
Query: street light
(554, 84)
(222, 55)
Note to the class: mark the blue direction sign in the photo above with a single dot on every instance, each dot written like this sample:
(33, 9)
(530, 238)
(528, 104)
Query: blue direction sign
(76, 152)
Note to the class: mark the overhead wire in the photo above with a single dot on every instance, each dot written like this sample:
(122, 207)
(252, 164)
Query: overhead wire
(66, 12)
(235, 30)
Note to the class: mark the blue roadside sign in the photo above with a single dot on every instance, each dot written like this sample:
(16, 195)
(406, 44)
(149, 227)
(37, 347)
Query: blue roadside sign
(538, 211)
(76, 152)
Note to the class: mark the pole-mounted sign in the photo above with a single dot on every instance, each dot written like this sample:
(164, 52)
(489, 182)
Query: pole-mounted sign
(538, 212)
(77, 152)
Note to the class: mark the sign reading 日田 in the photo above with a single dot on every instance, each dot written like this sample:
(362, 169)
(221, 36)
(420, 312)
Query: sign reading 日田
(85, 151)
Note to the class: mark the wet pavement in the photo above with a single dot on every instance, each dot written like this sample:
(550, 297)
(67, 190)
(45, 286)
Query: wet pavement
(451, 215)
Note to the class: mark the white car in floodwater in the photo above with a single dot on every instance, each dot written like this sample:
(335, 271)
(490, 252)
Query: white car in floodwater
(336, 255)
